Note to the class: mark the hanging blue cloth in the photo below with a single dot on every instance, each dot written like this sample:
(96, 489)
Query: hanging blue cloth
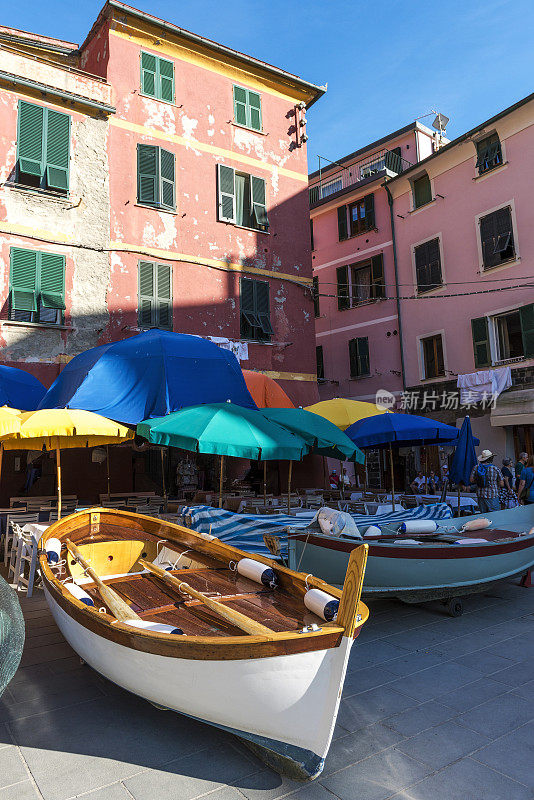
(465, 457)
(19, 389)
(149, 375)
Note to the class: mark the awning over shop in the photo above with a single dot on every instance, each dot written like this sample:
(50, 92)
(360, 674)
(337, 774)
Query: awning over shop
(514, 408)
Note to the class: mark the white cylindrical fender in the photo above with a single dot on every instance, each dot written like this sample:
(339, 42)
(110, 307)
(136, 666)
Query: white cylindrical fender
(322, 604)
(258, 572)
(53, 550)
(155, 627)
(470, 541)
(79, 593)
(406, 541)
(476, 524)
(418, 526)
(373, 530)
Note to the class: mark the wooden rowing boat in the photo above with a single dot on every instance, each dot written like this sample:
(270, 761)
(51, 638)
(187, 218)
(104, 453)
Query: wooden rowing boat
(445, 564)
(172, 615)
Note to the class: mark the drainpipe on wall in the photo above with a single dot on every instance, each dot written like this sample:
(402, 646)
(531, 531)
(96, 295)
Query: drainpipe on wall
(395, 267)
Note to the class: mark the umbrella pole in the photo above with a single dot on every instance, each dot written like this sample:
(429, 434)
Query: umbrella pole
(109, 478)
(342, 482)
(264, 483)
(458, 500)
(163, 477)
(221, 482)
(426, 469)
(289, 487)
(58, 466)
(392, 476)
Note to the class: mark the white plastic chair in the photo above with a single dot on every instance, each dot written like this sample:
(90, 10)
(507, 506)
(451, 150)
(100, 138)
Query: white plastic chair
(26, 554)
(9, 535)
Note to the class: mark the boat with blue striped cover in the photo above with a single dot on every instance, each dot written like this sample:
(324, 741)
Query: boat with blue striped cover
(197, 626)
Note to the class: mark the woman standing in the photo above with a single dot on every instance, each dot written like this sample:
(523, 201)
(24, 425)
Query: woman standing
(507, 495)
(526, 486)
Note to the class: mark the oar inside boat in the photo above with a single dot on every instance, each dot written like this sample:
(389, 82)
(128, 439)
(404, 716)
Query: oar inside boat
(235, 617)
(118, 607)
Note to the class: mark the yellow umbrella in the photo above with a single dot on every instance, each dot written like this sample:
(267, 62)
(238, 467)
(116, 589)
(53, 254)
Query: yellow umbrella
(344, 412)
(62, 428)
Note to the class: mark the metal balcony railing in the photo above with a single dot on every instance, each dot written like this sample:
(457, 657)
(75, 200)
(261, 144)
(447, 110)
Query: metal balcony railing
(333, 181)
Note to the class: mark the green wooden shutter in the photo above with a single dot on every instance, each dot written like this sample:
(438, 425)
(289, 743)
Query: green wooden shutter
(422, 191)
(377, 276)
(226, 188)
(163, 296)
(342, 274)
(146, 313)
(30, 138)
(319, 358)
(526, 315)
(52, 280)
(481, 344)
(248, 308)
(23, 279)
(147, 174)
(166, 80)
(353, 357)
(262, 308)
(257, 201)
(240, 105)
(316, 307)
(254, 110)
(363, 355)
(369, 201)
(167, 172)
(57, 150)
(342, 223)
(311, 235)
(148, 74)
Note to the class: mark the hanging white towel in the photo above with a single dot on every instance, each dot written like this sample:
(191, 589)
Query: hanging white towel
(477, 386)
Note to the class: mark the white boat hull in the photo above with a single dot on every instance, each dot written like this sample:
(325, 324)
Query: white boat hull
(286, 704)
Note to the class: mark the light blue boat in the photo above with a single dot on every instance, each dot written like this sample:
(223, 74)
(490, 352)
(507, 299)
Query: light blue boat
(420, 567)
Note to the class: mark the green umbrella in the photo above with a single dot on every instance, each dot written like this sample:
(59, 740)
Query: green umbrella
(325, 437)
(224, 429)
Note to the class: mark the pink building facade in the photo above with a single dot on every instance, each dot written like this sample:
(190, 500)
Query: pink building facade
(458, 255)
(168, 189)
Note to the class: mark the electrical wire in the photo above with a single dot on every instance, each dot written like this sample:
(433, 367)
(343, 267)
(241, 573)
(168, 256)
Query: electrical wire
(434, 296)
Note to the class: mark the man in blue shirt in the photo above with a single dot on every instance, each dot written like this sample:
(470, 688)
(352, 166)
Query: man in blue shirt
(489, 480)
(526, 486)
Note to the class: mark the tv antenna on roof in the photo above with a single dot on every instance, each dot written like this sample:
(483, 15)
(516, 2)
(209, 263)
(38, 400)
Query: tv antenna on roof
(440, 121)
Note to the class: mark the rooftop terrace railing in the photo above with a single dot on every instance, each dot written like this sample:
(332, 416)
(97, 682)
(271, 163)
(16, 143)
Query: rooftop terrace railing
(334, 181)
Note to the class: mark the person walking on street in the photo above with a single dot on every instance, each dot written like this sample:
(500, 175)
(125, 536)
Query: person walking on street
(488, 480)
(508, 496)
(526, 485)
(519, 467)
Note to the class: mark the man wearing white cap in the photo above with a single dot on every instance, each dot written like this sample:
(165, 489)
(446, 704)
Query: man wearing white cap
(488, 479)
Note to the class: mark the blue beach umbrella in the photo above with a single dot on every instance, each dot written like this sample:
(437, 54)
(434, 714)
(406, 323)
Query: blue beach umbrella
(465, 457)
(19, 389)
(402, 430)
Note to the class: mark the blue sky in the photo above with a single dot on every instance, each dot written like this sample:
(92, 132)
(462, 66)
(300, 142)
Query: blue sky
(386, 62)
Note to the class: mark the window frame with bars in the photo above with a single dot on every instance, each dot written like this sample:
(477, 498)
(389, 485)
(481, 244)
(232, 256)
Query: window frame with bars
(359, 358)
(420, 252)
(43, 154)
(159, 78)
(254, 321)
(489, 154)
(38, 297)
(226, 199)
(150, 299)
(160, 179)
(433, 337)
(499, 246)
(245, 113)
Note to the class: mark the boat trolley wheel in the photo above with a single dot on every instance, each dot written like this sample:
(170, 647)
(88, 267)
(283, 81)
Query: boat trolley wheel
(454, 606)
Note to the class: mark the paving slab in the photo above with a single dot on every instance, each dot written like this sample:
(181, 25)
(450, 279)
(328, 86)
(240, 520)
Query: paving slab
(25, 790)
(512, 755)
(419, 718)
(443, 744)
(498, 716)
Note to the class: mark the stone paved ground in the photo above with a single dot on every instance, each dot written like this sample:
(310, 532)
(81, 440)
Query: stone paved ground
(434, 708)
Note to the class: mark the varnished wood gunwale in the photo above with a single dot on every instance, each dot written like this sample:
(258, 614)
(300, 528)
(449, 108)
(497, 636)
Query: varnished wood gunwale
(186, 647)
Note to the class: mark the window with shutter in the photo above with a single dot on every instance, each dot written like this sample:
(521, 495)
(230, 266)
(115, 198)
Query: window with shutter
(432, 352)
(497, 237)
(157, 77)
(316, 308)
(428, 266)
(481, 343)
(526, 314)
(155, 177)
(226, 189)
(241, 199)
(489, 153)
(422, 191)
(359, 357)
(37, 286)
(247, 108)
(255, 311)
(342, 227)
(43, 147)
(377, 271)
(342, 276)
(257, 202)
(362, 215)
(319, 358)
(311, 235)
(155, 295)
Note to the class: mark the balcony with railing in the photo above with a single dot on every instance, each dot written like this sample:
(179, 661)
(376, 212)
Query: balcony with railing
(385, 163)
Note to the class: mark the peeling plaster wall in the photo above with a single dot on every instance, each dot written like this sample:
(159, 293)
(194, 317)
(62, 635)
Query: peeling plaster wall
(82, 218)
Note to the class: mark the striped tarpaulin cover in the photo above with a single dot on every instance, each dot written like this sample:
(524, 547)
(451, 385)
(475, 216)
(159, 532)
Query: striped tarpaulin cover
(245, 531)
